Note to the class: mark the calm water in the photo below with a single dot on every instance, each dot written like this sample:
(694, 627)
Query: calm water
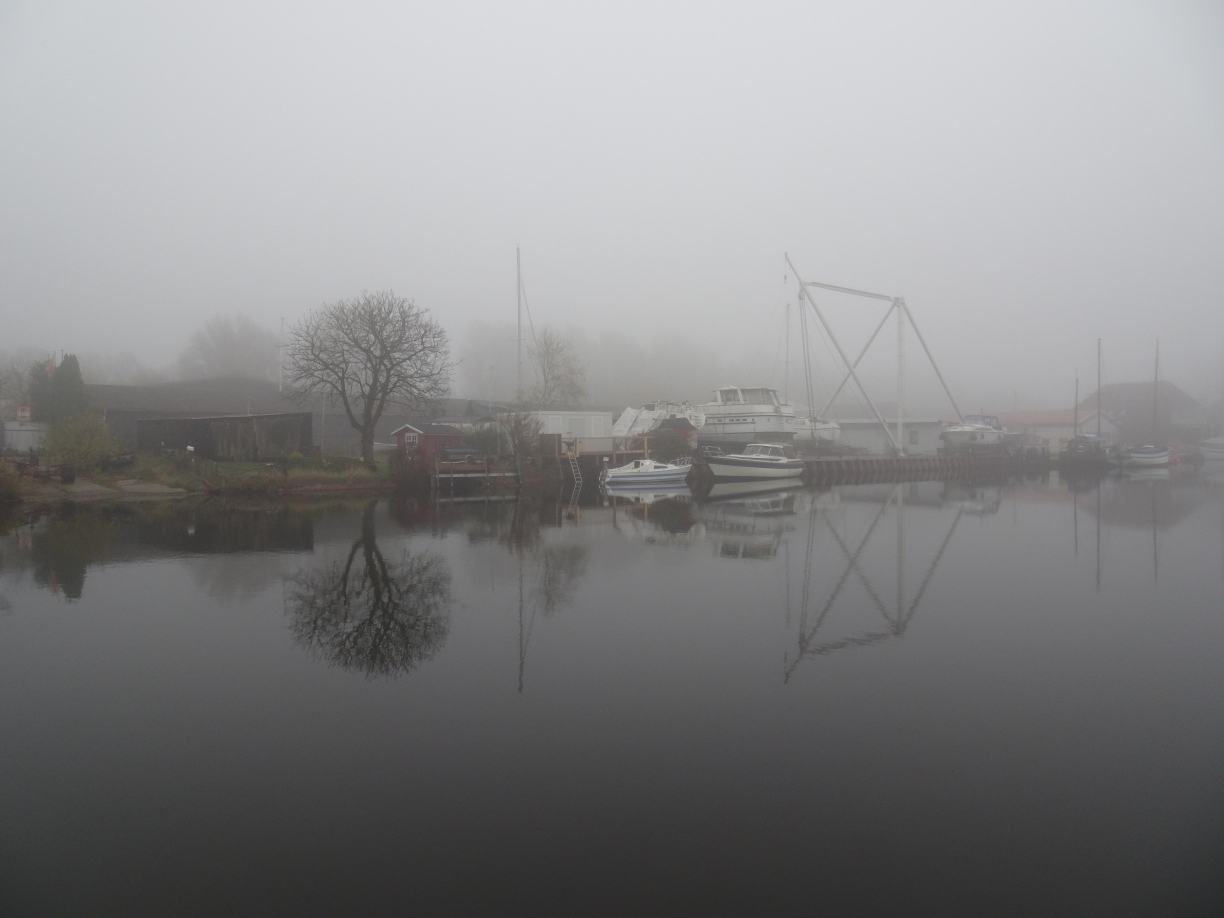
(992, 699)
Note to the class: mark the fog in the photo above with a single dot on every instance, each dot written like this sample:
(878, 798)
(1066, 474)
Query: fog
(1029, 178)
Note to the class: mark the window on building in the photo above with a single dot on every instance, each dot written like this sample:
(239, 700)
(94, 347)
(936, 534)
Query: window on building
(913, 438)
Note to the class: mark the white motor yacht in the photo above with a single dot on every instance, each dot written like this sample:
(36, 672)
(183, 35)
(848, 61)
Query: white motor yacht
(743, 416)
(758, 461)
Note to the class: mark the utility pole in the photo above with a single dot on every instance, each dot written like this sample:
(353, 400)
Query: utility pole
(280, 378)
(1098, 390)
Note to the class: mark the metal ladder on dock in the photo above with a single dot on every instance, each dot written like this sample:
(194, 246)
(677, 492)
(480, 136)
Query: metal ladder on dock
(575, 471)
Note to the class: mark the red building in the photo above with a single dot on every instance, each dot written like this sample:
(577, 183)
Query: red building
(428, 440)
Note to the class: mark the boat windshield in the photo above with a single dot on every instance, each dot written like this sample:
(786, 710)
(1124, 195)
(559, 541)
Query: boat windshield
(761, 396)
(728, 396)
(986, 420)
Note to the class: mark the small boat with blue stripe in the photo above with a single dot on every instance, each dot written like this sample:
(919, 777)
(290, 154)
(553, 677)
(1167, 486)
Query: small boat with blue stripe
(643, 472)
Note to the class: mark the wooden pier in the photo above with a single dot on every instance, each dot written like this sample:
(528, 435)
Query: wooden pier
(870, 469)
(489, 472)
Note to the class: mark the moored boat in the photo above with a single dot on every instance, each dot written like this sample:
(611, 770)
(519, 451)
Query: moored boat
(976, 431)
(1144, 457)
(758, 461)
(1213, 449)
(645, 472)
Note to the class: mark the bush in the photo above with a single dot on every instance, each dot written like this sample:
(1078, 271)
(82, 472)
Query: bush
(82, 442)
(10, 482)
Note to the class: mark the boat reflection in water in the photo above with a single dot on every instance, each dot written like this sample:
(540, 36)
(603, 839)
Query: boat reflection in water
(748, 519)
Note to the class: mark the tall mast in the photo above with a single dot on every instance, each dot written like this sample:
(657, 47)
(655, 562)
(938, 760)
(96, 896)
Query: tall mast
(1155, 391)
(1075, 429)
(1098, 388)
(518, 292)
(786, 361)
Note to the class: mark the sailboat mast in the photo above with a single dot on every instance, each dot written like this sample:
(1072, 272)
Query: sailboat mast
(1098, 388)
(1155, 392)
(1075, 429)
(786, 361)
(518, 292)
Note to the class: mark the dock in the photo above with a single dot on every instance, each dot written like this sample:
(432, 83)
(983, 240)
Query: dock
(871, 469)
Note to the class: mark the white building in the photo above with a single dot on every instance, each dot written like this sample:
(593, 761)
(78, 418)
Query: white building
(23, 436)
(921, 436)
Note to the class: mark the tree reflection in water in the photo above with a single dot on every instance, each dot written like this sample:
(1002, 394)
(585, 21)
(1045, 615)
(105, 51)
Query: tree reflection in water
(375, 617)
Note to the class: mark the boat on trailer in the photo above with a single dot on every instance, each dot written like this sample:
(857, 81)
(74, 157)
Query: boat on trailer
(758, 461)
(645, 472)
(738, 416)
(816, 430)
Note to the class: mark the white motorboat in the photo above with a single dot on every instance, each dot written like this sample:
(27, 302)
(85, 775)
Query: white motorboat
(1144, 457)
(645, 472)
(816, 430)
(759, 461)
(977, 431)
(747, 416)
(1213, 449)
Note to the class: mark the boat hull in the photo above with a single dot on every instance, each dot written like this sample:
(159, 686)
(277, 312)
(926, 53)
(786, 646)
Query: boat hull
(645, 479)
(648, 473)
(744, 468)
(1213, 449)
(1145, 460)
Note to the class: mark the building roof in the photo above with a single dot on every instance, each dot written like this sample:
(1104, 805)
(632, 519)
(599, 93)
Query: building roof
(1137, 396)
(230, 395)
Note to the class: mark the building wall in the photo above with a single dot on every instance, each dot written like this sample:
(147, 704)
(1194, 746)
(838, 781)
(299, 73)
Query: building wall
(242, 438)
(23, 436)
(921, 437)
(572, 424)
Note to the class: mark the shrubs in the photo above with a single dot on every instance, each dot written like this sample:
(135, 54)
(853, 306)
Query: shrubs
(81, 441)
(10, 482)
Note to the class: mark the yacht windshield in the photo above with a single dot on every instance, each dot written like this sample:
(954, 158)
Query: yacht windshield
(729, 396)
(761, 396)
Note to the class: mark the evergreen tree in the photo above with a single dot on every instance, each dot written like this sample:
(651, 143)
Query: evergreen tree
(59, 395)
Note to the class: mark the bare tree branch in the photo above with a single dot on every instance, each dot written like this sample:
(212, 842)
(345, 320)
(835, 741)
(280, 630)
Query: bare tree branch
(367, 353)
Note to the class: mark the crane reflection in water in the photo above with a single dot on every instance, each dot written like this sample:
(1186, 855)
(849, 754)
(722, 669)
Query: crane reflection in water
(896, 611)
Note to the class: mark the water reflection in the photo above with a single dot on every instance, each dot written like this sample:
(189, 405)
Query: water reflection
(372, 616)
(895, 613)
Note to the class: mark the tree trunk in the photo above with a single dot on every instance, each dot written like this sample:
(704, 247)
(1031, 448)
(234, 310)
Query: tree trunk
(367, 445)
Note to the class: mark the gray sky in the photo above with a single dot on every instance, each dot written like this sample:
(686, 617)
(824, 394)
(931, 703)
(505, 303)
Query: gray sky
(1029, 177)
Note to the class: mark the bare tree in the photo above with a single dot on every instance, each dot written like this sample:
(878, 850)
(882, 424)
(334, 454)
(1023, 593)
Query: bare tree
(367, 353)
(560, 378)
(231, 346)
